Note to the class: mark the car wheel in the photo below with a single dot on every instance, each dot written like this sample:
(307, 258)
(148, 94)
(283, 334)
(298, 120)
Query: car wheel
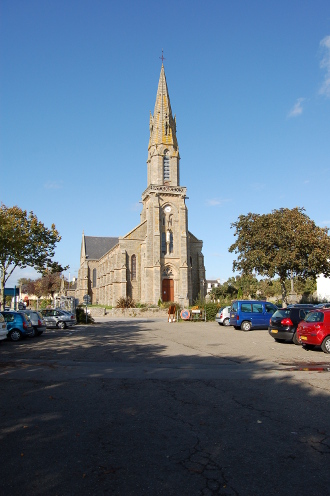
(15, 335)
(226, 322)
(246, 326)
(326, 345)
(33, 335)
(295, 338)
(61, 325)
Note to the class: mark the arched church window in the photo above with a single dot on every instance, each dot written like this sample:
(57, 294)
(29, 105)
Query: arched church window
(171, 242)
(166, 166)
(94, 278)
(133, 267)
(163, 243)
(190, 262)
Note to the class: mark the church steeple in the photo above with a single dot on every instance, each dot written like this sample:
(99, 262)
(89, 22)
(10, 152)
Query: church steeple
(163, 150)
(162, 124)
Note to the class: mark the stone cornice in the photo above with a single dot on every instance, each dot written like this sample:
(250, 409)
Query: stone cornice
(162, 188)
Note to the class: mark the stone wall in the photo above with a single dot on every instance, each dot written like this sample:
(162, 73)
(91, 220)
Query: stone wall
(142, 313)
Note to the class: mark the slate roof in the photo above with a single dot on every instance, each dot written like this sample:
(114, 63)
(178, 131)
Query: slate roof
(97, 246)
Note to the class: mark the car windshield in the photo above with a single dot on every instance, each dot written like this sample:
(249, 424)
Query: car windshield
(314, 317)
(282, 313)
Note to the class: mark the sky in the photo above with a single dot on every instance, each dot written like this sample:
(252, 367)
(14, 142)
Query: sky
(249, 83)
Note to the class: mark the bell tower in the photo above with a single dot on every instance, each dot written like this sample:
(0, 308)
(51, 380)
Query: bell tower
(166, 250)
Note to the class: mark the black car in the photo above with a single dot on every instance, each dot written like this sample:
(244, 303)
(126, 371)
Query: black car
(284, 322)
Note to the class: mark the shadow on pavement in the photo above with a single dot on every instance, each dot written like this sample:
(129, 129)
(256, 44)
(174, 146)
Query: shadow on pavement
(252, 435)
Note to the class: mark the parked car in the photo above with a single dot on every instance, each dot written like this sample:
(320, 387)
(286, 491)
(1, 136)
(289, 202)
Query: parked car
(248, 314)
(323, 305)
(284, 322)
(18, 325)
(37, 321)
(223, 316)
(3, 328)
(315, 329)
(72, 315)
(57, 318)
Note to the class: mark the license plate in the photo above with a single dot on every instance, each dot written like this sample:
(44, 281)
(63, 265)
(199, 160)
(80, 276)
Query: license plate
(304, 338)
(274, 331)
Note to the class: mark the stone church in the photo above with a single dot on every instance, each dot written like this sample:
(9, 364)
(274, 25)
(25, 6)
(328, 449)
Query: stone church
(160, 259)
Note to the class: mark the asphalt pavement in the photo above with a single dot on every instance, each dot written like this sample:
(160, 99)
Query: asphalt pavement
(147, 407)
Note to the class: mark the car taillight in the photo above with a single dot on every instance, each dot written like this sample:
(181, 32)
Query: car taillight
(39, 323)
(221, 316)
(24, 325)
(286, 322)
(237, 317)
(72, 317)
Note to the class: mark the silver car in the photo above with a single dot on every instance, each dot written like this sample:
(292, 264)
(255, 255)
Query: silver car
(58, 318)
(223, 316)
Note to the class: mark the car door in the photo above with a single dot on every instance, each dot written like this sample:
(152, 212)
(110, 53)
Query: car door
(258, 315)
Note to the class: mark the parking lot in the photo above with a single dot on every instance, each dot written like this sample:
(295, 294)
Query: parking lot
(146, 407)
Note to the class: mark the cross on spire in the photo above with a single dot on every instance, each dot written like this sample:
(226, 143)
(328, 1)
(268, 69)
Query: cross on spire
(162, 57)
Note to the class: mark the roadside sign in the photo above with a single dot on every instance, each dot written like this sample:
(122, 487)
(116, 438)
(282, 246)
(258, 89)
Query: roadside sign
(185, 314)
(87, 299)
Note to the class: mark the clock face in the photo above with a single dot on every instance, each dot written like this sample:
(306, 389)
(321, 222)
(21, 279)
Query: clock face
(167, 209)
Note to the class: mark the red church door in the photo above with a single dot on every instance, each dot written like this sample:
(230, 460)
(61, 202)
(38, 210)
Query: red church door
(168, 290)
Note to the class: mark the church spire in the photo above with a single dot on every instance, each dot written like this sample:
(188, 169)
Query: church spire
(162, 123)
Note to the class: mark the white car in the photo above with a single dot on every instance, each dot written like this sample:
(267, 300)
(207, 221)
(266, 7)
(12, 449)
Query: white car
(3, 328)
(223, 316)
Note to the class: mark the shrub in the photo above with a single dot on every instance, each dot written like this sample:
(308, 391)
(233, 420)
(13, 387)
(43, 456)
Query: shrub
(125, 302)
(44, 303)
(211, 310)
(81, 316)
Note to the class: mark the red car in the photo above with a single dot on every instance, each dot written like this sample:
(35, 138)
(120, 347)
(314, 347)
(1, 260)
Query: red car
(315, 329)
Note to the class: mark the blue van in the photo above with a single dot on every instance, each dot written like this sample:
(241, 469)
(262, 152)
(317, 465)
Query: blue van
(248, 314)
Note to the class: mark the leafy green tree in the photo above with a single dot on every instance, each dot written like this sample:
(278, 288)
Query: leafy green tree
(280, 243)
(25, 241)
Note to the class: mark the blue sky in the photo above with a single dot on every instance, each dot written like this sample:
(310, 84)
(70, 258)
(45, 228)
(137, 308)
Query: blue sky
(249, 83)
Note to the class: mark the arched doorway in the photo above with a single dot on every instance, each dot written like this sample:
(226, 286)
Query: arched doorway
(168, 290)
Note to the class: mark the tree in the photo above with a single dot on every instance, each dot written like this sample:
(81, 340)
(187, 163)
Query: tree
(25, 241)
(49, 283)
(26, 285)
(280, 243)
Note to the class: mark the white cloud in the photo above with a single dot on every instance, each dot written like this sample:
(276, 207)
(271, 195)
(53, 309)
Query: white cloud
(297, 109)
(53, 185)
(325, 64)
(213, 202)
